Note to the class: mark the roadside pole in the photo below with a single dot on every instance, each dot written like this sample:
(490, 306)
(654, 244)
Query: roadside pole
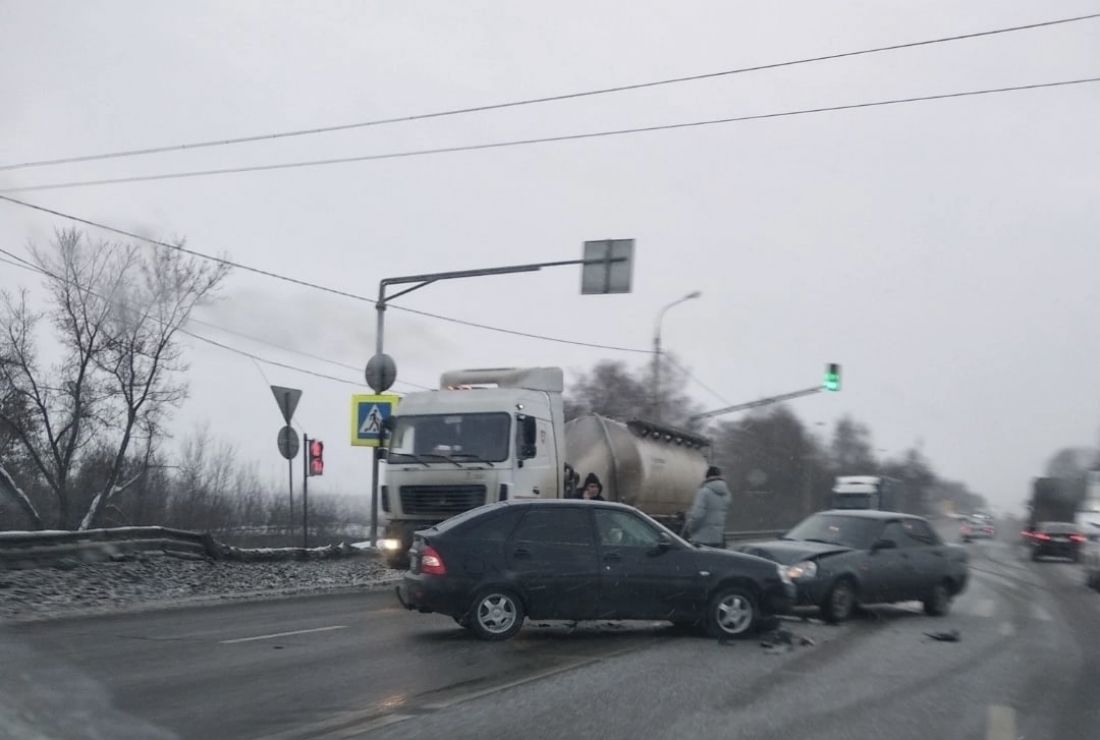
(305, 491)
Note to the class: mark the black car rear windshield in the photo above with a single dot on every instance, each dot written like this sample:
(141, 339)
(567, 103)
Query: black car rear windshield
(837, 529)
(1057, 527)
(465, 516)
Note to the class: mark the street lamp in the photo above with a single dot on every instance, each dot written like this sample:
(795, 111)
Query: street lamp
(657, 353)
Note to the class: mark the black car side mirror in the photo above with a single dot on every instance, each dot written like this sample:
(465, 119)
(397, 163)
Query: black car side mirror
(884, 545)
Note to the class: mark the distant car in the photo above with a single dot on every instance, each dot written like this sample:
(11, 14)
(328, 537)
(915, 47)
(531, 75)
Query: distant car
(1055, 539)
(977, 528)
(840, 559)
(492, 567)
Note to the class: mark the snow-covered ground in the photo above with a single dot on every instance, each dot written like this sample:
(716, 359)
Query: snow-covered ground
(156, 581)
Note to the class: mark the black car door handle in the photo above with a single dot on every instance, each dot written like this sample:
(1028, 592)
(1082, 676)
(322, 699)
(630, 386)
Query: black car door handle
(521, 553)
(612, 557)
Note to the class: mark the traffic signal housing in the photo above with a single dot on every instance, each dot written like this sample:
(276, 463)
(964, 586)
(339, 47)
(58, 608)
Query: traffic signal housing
(832, 377)
(316, 457)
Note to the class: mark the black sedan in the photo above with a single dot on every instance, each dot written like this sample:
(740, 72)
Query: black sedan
(492, 567)
(840, 559)
(1055, 539)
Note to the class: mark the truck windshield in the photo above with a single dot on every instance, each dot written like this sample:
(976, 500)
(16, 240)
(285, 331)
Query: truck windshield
(853, 500)
(481, 436)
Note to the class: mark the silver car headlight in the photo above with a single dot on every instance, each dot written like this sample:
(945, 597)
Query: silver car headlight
(783, 574)
(800, 571)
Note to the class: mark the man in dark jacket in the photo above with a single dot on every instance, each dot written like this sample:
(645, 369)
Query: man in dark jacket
(593, 489)
(706, 522)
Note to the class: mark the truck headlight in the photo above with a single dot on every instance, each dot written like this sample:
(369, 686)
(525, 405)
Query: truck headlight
(803, 570)
(389, 544)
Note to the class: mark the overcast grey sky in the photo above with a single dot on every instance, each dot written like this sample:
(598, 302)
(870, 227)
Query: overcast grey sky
(945, 252)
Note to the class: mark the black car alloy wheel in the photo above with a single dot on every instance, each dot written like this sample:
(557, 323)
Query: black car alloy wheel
(732, 613)
(496, 614)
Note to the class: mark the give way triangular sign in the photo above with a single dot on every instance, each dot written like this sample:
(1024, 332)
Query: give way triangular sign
(287, 398)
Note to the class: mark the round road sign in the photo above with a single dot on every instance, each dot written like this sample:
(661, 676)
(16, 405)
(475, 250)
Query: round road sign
(288, 442)
(381, 372)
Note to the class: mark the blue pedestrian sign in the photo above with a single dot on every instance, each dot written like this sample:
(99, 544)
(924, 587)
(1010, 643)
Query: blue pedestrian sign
(368, 417)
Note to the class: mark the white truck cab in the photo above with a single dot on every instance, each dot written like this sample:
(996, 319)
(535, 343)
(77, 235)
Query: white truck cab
(486, 435)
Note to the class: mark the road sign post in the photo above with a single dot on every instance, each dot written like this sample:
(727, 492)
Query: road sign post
(369, 414)
(287, 400)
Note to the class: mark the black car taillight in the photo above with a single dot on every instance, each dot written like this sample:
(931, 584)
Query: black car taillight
(503, 492)
(431, 562)
(386, 499)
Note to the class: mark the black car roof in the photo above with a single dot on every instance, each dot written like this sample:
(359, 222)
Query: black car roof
(871, 514)
(564, 502)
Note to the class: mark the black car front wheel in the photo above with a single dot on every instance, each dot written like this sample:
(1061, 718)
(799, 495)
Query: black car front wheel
(938, 602)
(841, 602)
(732, 612)
(496, 614)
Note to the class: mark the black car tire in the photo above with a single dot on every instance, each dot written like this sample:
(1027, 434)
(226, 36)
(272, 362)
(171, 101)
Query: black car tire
(840, 603)
(938, 603)
(732, 612)
(496, 614)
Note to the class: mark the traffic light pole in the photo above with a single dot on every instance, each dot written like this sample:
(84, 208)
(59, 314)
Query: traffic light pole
(419, 281)
(757, 403)
(305, 491)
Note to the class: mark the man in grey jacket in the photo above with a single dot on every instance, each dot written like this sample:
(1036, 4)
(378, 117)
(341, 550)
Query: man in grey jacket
(706, 522)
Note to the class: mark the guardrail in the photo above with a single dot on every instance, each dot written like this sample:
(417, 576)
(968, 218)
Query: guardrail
(38, 549)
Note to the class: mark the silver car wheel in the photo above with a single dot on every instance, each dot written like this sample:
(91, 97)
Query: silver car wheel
(496, 613)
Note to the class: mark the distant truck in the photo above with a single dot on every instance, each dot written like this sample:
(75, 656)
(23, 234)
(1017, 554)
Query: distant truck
(1051, 501)
(495, 434)
(866, 492)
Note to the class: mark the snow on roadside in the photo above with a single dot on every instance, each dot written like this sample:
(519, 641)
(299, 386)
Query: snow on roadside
(156, 581)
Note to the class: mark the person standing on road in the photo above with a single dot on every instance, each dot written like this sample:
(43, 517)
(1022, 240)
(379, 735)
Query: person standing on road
(706, 522)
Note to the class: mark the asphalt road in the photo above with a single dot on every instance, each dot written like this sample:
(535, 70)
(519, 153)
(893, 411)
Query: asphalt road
(1027, 665)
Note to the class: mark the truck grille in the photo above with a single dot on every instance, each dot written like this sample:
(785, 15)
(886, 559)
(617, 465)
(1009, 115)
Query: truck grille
(441, 499)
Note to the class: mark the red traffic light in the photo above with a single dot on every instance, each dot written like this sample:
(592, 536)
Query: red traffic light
(316, 457)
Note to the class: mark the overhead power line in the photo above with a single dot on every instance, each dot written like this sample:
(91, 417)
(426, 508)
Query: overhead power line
(540, 140)
(546, 99)
(18, 261)
(314, 286)
(27, 265)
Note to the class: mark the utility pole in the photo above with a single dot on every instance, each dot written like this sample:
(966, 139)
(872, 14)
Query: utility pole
(657, 354)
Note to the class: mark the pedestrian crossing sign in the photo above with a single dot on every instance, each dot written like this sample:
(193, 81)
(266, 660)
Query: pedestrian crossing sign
(368, 418)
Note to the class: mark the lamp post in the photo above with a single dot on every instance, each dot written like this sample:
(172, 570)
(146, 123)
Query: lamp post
(657, 353)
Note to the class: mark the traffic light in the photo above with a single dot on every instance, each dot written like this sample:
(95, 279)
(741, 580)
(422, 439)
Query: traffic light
(832, 377)
(316, 457)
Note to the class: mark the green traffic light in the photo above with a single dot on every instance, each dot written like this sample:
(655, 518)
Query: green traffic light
(832, 377)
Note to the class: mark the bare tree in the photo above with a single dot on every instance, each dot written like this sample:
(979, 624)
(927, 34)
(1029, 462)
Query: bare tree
(851, 449)
(116, 310)
(613, 389)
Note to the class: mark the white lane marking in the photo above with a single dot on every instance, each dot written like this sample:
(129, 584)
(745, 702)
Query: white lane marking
(1040, 613)
(283, 634)
(1000, 723)
(1006, 629)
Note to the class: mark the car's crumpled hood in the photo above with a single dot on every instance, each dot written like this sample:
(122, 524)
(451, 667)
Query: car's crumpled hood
(789, 552)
